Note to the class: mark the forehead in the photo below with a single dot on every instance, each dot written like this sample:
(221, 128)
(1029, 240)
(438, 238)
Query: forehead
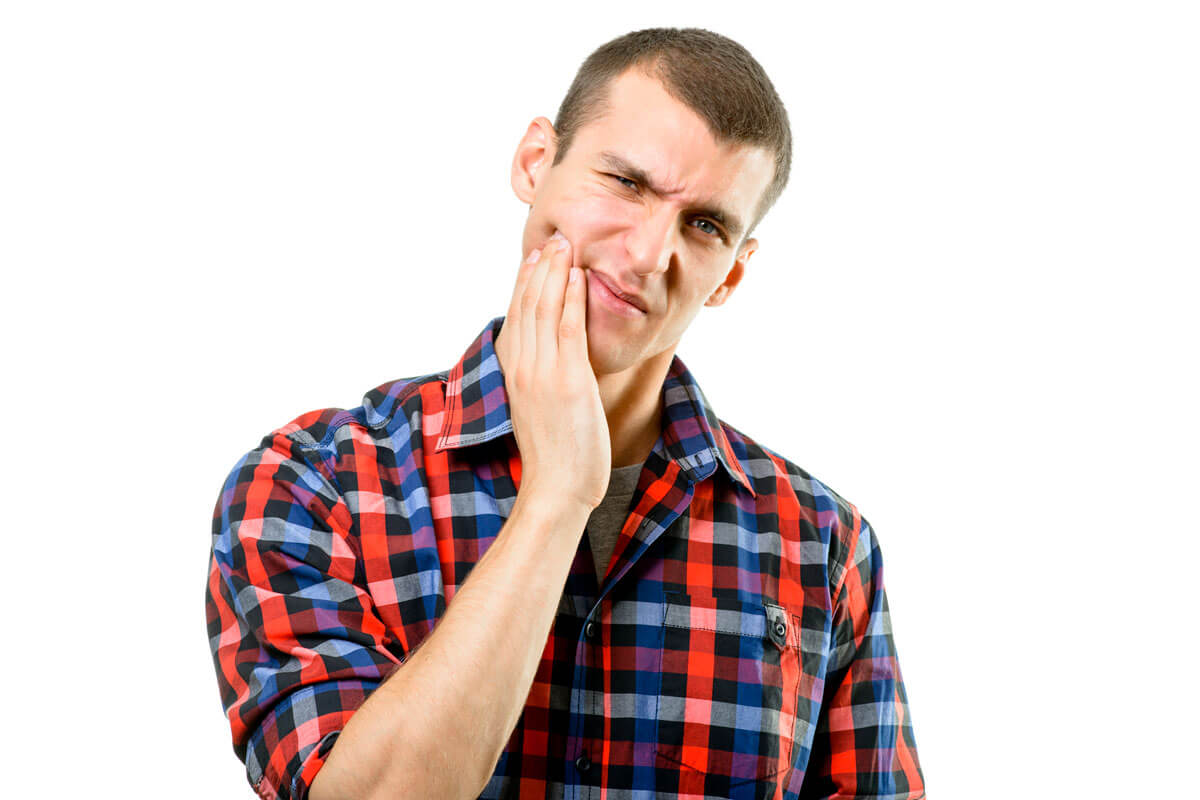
(658, 134)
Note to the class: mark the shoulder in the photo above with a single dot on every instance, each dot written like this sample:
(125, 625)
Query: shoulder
(334, 439)
(767, 468)
(838, 523)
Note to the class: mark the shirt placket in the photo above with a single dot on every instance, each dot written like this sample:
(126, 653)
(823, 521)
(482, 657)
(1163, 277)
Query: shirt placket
(584, 742)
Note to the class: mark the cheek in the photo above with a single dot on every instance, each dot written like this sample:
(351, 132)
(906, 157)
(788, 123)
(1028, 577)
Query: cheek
(589, 215)
(689, 292)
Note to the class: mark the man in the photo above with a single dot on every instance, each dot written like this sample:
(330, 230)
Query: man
(656, 604)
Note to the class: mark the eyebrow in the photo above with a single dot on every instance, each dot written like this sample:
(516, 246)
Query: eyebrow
(726, 219)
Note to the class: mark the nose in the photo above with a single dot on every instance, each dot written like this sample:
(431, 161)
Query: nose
(651, 242)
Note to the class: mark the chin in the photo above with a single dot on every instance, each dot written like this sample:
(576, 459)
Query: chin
(609, 357)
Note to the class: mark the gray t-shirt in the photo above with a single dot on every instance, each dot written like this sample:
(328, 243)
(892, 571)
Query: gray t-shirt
(605, 523)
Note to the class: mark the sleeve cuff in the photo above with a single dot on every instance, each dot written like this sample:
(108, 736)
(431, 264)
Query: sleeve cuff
(293, 741)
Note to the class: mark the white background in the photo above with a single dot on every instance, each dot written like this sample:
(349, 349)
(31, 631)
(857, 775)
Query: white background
(973, 314)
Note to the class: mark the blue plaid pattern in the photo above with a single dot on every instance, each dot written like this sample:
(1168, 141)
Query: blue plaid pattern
(739, 645)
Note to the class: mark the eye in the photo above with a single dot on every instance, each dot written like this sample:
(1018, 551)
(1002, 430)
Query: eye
(715, 230)
(626, 182)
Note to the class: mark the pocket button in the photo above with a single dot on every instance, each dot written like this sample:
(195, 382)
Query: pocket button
(777, 624)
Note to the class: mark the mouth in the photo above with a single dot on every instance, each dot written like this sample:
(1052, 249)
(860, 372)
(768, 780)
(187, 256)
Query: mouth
(606, 285)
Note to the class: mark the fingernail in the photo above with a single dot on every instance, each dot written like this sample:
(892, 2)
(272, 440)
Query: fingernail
(533, 255)
(574, 275)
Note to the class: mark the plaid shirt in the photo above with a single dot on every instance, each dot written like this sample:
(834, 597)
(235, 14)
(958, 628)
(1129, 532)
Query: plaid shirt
(739, 645)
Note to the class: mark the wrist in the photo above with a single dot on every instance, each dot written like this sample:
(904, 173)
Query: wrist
(552, 507)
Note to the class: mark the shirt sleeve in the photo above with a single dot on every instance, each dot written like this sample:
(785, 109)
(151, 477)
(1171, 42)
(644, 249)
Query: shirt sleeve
(295, 638)
(864, 745)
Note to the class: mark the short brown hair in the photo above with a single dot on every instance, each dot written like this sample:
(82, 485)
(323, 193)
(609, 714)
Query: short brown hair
(711, 74)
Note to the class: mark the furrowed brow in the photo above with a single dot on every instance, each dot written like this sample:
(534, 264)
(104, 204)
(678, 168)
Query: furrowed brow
(730, 222)
(727, 220)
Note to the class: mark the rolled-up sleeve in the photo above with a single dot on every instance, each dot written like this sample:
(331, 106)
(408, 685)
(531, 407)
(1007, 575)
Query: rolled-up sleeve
(864, 745)
(295, 639)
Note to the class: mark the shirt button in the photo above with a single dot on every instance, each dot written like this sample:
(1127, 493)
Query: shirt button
(583, 763)
(589, 630)
(780, 629)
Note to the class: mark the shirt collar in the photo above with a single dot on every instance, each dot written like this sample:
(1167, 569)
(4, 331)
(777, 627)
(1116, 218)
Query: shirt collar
(476, 411)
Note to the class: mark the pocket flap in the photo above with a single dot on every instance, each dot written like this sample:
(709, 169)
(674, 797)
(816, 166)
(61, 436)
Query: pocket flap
(722, 614)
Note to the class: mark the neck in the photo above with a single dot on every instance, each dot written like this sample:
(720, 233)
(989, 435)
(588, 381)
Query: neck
(632, 401)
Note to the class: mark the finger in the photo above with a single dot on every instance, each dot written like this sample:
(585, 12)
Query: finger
(512, 320)
(549, 307)
(572, 328)
(533, 289)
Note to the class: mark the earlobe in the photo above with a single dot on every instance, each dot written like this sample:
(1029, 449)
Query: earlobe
(534, 153)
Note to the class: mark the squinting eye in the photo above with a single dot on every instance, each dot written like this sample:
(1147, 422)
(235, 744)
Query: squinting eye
(714, 230)
(626, 182)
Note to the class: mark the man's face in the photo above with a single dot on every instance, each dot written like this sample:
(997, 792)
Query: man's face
(661, 241)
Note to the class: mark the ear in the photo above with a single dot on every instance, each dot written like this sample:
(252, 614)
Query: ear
(534, 154)
(734, 277)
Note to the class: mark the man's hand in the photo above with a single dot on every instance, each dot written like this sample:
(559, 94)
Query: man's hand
(558, 419)
(438, 725)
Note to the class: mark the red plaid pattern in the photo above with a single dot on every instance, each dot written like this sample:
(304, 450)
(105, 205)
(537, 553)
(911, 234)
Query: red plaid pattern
(739, 646)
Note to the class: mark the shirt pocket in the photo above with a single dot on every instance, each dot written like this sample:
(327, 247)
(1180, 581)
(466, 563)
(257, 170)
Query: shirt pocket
(729, 684)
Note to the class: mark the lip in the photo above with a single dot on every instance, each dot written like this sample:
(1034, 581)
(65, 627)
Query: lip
(633, 302)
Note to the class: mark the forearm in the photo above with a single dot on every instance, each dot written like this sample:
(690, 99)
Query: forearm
(437, 726)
